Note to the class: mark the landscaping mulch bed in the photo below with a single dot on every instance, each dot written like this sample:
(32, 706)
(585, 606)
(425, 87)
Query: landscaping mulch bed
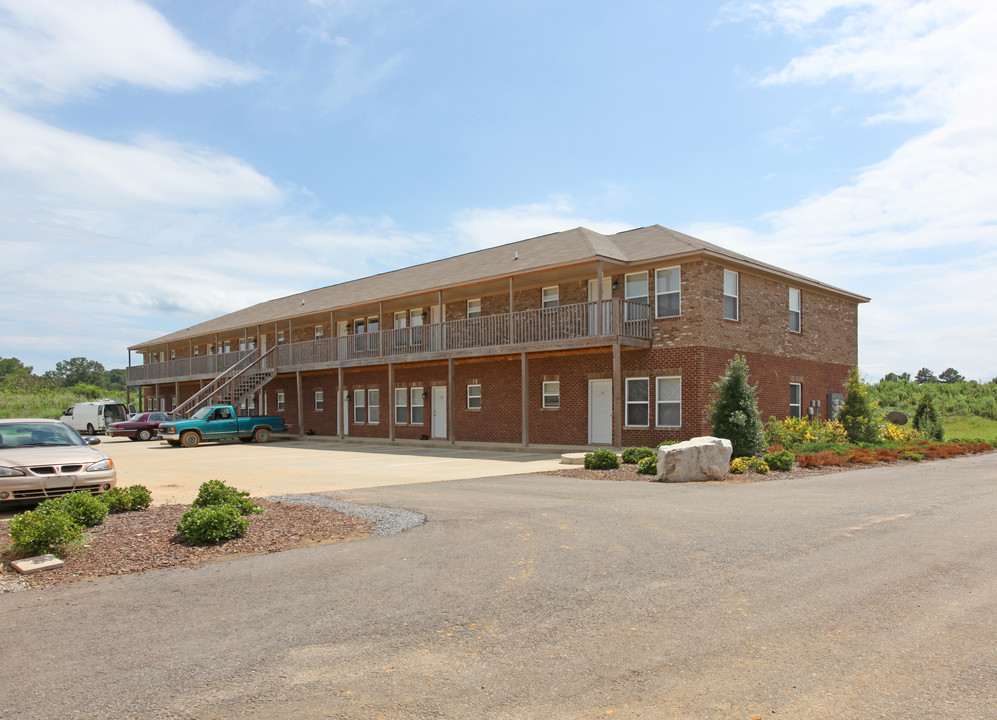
(147, 539)
(628, 473)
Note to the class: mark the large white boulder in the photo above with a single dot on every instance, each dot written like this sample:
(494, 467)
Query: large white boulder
(696, 460)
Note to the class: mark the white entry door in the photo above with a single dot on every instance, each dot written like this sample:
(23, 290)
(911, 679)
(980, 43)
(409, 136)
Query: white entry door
(607, 307)
(439, 411)
(601, 412)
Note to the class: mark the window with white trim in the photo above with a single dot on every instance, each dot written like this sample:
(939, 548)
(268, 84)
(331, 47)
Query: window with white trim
(668, 292)
(173, 354)
(242, 344)
(552, 394)
(280, 337)
(196, 351)
(373, 406)
(637, 402)
(359, 406)
(418, 403)
(550, 297)
(795, 315)
(474, 308)
(635, 290)
(731, 296)
(280, 402)
(319, 400)
(227, 347)
(473, 397)
(668, 401)
(795, 400)
(319, 332)
(401, 406)
(251, 402)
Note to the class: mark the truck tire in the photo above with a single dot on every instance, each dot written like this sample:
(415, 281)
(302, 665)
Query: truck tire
(190, 439)
(261, 434)
(145, 434)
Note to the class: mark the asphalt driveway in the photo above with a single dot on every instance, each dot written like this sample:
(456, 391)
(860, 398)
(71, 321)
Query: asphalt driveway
(864, 594)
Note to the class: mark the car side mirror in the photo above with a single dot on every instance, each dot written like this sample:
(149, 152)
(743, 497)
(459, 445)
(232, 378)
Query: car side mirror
(90, 440)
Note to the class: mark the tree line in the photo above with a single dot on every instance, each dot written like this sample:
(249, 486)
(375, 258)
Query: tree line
(72, 373)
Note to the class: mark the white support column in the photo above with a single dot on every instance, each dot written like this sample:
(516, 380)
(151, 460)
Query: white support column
(301, 405)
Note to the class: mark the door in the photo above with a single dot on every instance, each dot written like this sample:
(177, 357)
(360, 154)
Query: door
(601, 412)
(607, 307)
(439, 411)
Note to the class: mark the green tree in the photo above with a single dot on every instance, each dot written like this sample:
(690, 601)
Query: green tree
(734, 410)
(926, 419)
(950, 375)
(924, 375)
(12, 367)
(860, 413)
(77, 370)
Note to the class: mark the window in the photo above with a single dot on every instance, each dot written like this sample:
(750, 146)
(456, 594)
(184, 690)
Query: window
(635, 290)
(668, 292)
(418, 416)
(280, 402)
(473, 397)
(211, 349)
(474, 308)
(549, 297)
(227, 347)
(401, 406)
(242, 344)
(252, 343)
(319, 332)
(415, 321)
(173, 403)
(359, 406)
(252, 402)
(280, 337)
(319, 400)
(731, 309)
(795, 400)
(795, 324)
(196, 351)
(668, 397)
(373, 406)
(173, 354)
(552, 394)
(637, 402)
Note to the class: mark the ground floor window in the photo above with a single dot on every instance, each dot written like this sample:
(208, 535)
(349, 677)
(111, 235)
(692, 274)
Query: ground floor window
(795, 400)
(473, 397)
(319, 400)
(418, 406)
(373, 406)
(637, 402)
(668, 398)
(359, 406)
(280, 402)
(401, 406)
(552, 394)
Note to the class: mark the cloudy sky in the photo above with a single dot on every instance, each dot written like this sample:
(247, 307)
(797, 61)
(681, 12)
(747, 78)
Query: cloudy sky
(162, 163)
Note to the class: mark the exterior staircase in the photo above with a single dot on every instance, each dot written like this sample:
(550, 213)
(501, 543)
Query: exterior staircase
(234, 386)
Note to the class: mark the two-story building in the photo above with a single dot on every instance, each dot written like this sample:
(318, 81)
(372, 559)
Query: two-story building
(574, 338)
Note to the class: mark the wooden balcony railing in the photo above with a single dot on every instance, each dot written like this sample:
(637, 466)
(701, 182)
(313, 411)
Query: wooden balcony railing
(581, 321)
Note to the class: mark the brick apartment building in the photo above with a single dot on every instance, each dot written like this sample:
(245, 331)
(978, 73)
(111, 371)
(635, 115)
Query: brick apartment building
(569, 339)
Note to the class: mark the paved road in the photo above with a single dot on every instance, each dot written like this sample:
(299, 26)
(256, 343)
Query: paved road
(868, 594)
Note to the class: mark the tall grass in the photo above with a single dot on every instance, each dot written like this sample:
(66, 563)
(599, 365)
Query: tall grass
(44, 403)
(961, 427)
(950, 399)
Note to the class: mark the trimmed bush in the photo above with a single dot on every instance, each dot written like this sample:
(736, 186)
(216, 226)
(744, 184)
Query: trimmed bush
(926, 420)
(133, 497)
(215, 492)
(733, 412)
(648, 466)
(860, 414)
(781, 460)
(601, 460)
(214, 523)
(633, 455)
(40, 531)
(81, 506)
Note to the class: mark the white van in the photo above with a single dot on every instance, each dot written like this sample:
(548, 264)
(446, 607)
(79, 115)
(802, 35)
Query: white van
(93, 417)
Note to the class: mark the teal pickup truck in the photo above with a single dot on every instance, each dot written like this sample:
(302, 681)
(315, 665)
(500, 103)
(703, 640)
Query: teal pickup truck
(219, 422)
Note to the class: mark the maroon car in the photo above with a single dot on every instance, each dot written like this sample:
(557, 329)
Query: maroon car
(144, 426)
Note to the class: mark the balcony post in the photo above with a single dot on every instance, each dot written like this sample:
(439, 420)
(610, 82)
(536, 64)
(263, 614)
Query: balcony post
(341, 419)
(301, 407)
(391, 402)
(450, 393)
(525, 381)
(599, 298)
(617, 398)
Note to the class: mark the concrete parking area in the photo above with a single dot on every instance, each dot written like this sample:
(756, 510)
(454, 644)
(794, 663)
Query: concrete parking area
(306, 465)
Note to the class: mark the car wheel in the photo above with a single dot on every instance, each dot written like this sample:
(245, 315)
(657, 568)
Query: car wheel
(90, 430)
(261, 435)
(190, 439)
(145, 434)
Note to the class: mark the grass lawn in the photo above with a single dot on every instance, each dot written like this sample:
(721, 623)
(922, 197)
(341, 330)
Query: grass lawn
(963, 426)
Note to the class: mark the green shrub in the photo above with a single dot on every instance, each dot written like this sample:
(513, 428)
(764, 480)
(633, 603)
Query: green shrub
(733, 412)
(926, 420)
(133, 497)
(81, 506)
(743, 464)
(633, 455)
(648, 466)
(663, 443)
(40, 531)
(215, 492)
(782, 460)
(860, 413)
(601, 460)
(201, 525)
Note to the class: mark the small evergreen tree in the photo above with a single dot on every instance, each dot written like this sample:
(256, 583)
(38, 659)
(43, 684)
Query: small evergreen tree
(859, 414)
(734, 411)
(926, 419)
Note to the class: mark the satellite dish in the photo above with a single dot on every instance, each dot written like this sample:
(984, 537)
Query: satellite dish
(897, 418)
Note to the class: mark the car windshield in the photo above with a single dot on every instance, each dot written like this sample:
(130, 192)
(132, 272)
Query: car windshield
(29, 434)
(141, 418)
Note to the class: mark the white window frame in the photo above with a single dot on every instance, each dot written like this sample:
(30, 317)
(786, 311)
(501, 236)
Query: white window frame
(551, 392)
(359, 407)
(474, 308)
(173, 354)
(402, 417)
(474, 398)
(732, 280)
(672, 273)
(280, 402)
(373, 406)
(417, 401)
(242, 344)
(798, 405)
(658, 402)
(795, 311)
(280, 337)
(319, 332)
(646, 402)
(251, 402)
(319, 400)
(197, 351)
(633, 312)
(550, 297)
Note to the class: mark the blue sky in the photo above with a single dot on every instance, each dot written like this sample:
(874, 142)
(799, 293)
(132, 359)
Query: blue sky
(166, 162)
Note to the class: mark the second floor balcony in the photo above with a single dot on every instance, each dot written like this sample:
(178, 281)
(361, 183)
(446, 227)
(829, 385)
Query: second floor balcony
(563, 327)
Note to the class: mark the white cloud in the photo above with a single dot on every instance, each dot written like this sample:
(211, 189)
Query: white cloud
(52, 50)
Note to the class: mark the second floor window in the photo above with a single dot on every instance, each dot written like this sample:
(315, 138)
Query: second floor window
(795, 324)
(474, 308)
(668, 292)
(280, 337)
(549, 297)
(731, 296)
(319, 332)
